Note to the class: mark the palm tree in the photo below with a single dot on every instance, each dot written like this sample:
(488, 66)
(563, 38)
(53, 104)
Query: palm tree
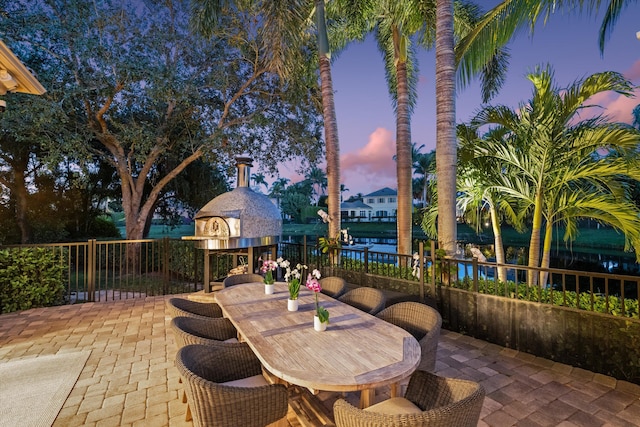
(424, 166)
(278, 189)
(259, 178)
(395, 22)
(551, 160)
(510, 16)
(318, 180)
(343, 188)
(446, 155)
(330, 122)
(477, 178)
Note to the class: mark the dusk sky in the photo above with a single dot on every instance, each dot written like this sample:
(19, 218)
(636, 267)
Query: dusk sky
(366, 122)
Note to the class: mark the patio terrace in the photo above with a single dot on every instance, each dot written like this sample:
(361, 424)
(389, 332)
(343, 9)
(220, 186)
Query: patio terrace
(129, 378)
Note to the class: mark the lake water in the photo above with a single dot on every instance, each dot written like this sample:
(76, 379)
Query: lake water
(588, 260)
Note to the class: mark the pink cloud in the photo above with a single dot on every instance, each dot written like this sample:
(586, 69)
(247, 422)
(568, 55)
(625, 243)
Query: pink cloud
(616, 107)
(633, 73)
(371, 167)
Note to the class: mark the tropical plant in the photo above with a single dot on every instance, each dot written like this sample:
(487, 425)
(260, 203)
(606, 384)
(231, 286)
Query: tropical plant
(501, 23)
(562, 164)
(477, 177)
(259, 179)
(424, 166)
(318, 180)
(278, 189)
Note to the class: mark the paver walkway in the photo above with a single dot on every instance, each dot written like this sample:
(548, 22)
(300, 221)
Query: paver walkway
(130, 380)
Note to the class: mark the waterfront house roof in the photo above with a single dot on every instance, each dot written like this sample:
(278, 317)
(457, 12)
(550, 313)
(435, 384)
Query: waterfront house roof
(358, 204)
(386, 191)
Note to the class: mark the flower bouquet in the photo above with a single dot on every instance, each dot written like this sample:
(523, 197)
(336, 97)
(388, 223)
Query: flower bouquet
(268, 267)
(321, 318)
(292, 277)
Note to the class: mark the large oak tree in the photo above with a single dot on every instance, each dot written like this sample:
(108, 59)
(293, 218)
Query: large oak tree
(144, 91)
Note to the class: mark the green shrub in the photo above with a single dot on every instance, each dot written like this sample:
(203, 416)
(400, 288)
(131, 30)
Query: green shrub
(584, 300)
(31, 277)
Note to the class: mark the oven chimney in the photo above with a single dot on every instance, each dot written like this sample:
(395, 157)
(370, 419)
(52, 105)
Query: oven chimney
(244, 171)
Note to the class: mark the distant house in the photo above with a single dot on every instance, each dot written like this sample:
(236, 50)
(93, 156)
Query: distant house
(383, 203)
(355, 211)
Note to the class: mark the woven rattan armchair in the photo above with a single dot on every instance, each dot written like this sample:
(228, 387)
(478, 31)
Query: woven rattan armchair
(204, 369)
(237, 279)
(367, 299)
(187, 308)
(333, 286)
(435, 401)
(421, 321)
(193, 330)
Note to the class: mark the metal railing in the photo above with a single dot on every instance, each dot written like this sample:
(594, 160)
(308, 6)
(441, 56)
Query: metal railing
(122, 269)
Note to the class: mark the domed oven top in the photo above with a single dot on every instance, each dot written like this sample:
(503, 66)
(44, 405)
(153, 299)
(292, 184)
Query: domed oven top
(240, 218)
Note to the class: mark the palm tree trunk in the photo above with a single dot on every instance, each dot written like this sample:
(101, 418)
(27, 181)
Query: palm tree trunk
(546, 252)
(499, 248)
(404, 160)
(330, 125)
(534, 244)
(446, 155)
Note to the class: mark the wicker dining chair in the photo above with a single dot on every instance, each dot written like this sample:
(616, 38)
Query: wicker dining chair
(333, 286)
(187, 308)
(237, 279)
(205, 331)
(431, 400)
(226, 388)
(194, 330)
(421, 321)
(367, 299)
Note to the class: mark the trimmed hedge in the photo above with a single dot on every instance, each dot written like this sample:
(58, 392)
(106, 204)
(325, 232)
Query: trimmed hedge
(31, 277)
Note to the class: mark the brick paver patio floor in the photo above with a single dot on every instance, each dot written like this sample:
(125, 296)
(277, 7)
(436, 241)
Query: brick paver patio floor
(130, 380)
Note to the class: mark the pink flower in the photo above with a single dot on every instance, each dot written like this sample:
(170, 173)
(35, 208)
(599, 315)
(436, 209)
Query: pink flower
(313, 284)
(268, 265)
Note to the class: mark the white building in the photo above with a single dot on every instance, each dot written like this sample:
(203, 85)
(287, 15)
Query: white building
(383, 203)
(356, 211)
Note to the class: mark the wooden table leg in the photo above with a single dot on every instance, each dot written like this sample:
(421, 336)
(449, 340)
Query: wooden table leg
(394, 389)
(367, 397)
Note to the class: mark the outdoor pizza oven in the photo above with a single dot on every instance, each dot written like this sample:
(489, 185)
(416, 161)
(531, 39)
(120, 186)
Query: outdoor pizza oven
(241, 223)
(240, 218)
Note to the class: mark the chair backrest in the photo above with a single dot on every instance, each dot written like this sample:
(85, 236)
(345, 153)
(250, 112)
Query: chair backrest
(237, 279)
(447, 402)
(367, 299)
(203, 370)
(188, 308)
(421, 321)
(193, 330)
(333, 286)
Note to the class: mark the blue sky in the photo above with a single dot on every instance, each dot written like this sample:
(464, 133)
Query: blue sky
(366, 122)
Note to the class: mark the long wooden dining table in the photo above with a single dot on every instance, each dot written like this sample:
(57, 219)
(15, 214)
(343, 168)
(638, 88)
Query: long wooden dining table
(357, 351)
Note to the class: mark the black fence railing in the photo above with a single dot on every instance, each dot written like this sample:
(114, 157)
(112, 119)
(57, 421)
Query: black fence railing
(121, 269)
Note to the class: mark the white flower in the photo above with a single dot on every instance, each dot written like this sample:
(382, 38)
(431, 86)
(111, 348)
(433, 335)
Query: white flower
(315, 273)
(324, 216)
